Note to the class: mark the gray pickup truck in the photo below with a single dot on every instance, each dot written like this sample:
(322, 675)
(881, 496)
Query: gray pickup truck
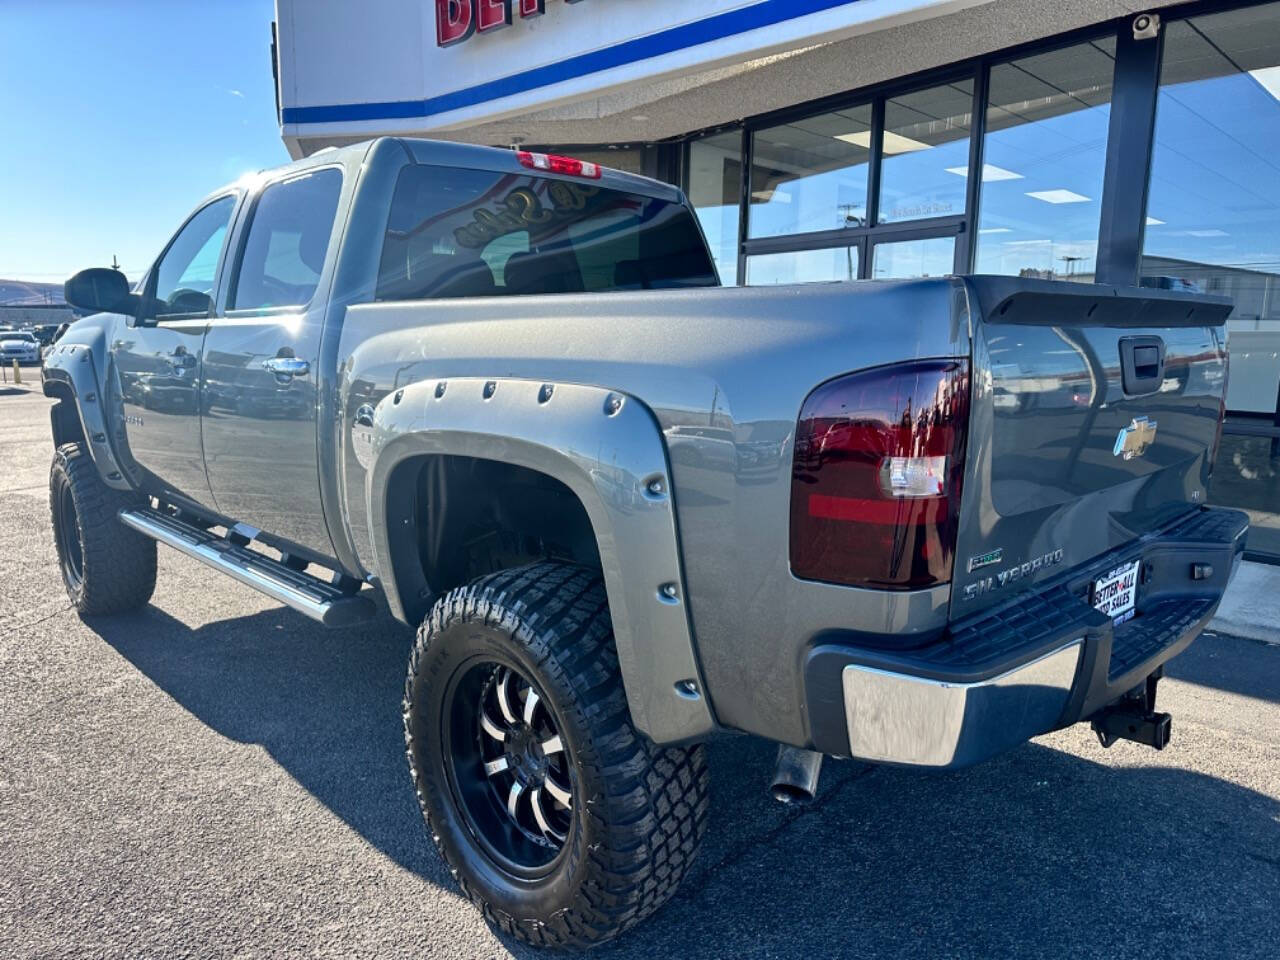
(910, 522)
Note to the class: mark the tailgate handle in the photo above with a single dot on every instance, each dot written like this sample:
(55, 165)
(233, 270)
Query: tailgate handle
(1142, 364)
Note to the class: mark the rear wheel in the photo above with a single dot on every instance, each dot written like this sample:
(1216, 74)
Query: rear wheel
(106, 567)
(561, 822)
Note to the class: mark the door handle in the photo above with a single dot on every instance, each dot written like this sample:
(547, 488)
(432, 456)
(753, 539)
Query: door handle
(286, 368)
(1141, 364)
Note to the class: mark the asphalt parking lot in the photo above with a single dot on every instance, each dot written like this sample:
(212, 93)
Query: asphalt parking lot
(219, 777)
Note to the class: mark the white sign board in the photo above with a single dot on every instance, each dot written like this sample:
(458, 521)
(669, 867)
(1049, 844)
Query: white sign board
(386, 65)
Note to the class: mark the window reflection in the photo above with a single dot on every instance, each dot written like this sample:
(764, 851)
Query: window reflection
(803, 266)
(926, 153)
(1045, 154)
(1246, 476)
(811, 174)
(906, 259)
(1213, 210)
(714, 188)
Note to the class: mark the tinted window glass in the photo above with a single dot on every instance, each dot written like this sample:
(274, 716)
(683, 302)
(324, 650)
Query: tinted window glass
(287, 243)
(185, 275)
(811, 174)
(926, 153)
(1045, 152)
(473, 233)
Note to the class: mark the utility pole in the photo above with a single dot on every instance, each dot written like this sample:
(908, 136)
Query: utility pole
(1070, 263)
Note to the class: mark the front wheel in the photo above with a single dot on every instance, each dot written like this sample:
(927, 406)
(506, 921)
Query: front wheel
(560, 821)
(106, 567)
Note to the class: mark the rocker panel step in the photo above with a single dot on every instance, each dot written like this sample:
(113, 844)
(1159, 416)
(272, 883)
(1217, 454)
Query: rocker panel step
(308, 595)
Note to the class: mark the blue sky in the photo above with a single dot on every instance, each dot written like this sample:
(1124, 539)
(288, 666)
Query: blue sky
(118, 117)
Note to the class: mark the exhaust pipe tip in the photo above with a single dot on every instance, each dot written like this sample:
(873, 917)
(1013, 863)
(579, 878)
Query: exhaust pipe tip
(795, 777)
(789, 793)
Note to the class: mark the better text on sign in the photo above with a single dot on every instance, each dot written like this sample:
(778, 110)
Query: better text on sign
(458, 20)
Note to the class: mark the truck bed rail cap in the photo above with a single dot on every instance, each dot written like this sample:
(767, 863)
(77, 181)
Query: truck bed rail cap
(1058, 303)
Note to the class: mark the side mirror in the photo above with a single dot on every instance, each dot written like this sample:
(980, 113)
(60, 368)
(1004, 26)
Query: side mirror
(101, 290)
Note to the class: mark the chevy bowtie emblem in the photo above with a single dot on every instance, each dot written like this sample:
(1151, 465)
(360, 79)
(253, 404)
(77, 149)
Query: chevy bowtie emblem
(1133, 440)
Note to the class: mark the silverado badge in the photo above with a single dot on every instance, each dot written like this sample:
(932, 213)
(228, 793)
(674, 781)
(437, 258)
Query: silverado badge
(1133, 440)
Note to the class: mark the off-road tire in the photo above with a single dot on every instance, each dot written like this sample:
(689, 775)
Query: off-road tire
(116, 569)
(640, 809)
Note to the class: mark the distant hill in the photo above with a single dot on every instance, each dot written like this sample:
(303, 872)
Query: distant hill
(24, 293)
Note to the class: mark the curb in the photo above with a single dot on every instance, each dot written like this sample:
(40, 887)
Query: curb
(1251, 606)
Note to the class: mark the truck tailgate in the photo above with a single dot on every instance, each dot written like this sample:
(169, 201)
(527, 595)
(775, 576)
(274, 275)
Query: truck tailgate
(1094, 417)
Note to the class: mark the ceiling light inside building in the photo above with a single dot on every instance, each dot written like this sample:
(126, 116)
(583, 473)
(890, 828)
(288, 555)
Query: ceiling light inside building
(1269, 79)
(990, 173)
(893, 142)
(1058, 196)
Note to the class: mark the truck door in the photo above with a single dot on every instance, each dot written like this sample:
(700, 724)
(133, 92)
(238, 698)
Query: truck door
(261, 361)
(157, 354)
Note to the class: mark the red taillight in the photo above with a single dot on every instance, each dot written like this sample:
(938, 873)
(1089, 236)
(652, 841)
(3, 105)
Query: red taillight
(554, 164)
(875, 484)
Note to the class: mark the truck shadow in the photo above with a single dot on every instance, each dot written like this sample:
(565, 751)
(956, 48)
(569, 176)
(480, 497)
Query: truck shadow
(325, 704)
(1038, 852)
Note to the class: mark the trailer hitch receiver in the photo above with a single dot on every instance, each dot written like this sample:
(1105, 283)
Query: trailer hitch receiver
(1134, 717)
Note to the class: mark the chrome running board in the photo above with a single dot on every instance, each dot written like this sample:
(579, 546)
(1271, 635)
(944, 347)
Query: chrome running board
(309, 595)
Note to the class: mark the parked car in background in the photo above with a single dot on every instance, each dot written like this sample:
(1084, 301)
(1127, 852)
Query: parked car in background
(46, 333)
(19, 345)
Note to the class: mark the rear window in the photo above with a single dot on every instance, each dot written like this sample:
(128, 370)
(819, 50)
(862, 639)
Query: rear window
(473, 233)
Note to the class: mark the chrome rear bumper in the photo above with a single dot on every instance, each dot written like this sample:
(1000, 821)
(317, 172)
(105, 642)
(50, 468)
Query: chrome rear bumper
(897, 718)
(1043, 660)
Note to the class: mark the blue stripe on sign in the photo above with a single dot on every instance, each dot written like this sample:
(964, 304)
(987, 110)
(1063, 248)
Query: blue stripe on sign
(722, 25)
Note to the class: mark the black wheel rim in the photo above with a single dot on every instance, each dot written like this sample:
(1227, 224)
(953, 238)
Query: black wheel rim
(68, 530)
(509, 768)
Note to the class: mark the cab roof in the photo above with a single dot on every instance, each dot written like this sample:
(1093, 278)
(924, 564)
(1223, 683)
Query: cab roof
(466, 155)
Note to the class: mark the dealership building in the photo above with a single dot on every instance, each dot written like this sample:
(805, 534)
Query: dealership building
(1086, 140)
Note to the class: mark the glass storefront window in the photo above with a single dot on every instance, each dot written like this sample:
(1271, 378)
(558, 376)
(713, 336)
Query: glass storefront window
(925, 160)
(1044, 159)
(714, 187)
(811, 174)
(803, 266)
(1246, 476)
(1214, 199)
(1213, 224)
(906, 259)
